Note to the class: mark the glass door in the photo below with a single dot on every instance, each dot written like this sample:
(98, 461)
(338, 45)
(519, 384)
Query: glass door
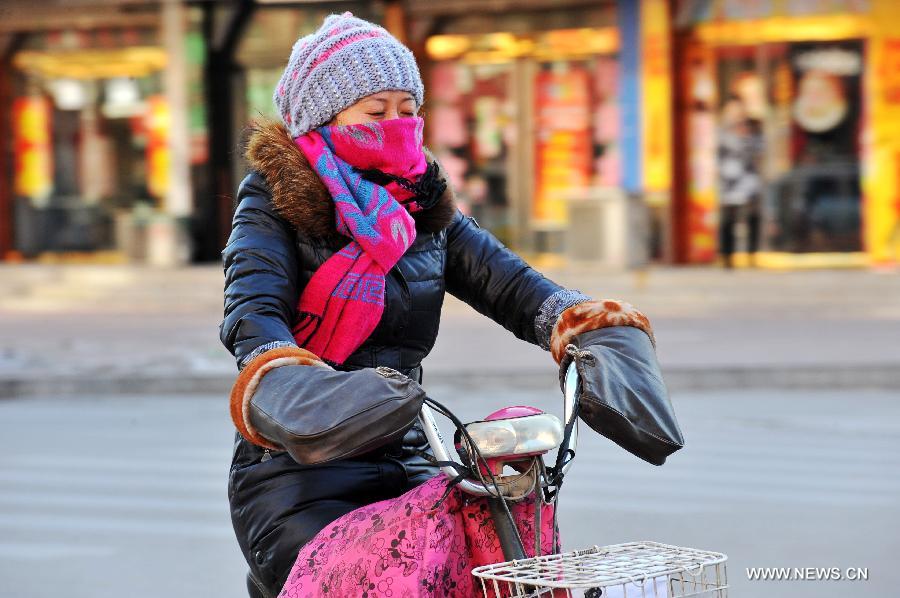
(793, 111)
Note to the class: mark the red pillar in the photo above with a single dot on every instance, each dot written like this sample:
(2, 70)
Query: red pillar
(679, 203)
(6, 189)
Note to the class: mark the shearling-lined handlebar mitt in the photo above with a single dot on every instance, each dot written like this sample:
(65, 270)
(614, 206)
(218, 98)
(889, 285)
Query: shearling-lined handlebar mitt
(248, 381)
(621, 392)
(593, 315)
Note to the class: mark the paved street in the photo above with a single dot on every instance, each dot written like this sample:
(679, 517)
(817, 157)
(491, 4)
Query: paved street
(88, 329)
(115, 496)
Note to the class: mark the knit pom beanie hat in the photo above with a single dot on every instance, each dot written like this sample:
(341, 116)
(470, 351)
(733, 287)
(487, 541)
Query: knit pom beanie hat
(345, 60)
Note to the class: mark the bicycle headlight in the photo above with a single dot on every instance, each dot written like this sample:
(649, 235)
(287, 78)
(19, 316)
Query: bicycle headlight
(528, 435)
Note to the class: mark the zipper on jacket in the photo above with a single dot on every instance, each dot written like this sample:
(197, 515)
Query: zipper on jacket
(403, 281)
(407, 298)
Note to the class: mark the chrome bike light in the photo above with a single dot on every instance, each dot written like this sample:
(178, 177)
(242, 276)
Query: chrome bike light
(520, 436)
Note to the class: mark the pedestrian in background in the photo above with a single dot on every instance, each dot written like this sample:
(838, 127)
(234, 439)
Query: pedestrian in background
(740, 146)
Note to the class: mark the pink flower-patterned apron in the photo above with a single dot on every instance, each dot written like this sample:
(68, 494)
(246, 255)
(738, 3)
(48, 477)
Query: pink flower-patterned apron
(410, 546)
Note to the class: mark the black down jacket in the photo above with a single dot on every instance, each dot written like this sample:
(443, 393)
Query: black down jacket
(283, 230)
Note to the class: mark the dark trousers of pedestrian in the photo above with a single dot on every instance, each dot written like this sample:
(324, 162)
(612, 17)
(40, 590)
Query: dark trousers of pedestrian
(729, 217)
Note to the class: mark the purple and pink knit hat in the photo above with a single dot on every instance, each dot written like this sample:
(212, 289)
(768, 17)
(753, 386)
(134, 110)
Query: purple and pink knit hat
(345, 60)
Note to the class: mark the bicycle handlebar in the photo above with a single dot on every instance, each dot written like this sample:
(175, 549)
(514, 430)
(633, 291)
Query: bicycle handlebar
(436, 440)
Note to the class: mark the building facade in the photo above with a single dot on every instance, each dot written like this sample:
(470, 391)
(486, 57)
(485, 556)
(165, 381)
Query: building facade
(574, 129)
(540, 113)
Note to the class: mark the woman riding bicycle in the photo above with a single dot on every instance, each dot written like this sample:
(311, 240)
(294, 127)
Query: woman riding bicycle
(344, 240)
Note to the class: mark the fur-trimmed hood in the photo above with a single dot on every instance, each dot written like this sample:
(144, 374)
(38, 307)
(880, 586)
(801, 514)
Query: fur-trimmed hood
(299, 195)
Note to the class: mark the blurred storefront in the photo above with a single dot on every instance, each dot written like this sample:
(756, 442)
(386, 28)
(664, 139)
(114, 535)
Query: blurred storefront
(125, 121)
(581, 128)
(106, 118)
(126, 125)
(818, 81)
(536, 108)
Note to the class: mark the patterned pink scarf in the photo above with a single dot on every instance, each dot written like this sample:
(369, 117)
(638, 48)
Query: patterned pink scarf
(344, 300)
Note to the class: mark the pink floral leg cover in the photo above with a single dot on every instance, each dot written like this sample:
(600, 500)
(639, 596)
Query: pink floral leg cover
(408, 547)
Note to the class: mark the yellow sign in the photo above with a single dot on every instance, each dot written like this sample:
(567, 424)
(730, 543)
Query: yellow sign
(656, 89)
(33, 152)
(157, 126)
(881, 173)
(97, 63)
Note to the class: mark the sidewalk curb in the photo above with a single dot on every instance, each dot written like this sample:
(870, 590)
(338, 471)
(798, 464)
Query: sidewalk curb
(687, 379)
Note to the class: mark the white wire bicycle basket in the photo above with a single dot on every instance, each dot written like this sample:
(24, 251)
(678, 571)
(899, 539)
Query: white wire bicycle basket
(630, 570)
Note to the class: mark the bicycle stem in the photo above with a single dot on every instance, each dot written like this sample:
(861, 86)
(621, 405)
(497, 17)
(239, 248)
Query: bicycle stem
(436, 440)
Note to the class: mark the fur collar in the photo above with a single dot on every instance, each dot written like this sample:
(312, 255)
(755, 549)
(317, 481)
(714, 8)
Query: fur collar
(300, 197)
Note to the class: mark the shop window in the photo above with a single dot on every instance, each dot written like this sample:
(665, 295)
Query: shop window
(775, 128)
(471, 121)
(88, 95)
(525, 122)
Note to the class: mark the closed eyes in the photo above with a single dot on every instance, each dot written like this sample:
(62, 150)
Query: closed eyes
(382, 114)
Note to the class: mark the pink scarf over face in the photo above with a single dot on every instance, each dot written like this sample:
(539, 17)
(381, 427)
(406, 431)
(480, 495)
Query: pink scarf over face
(344, 300)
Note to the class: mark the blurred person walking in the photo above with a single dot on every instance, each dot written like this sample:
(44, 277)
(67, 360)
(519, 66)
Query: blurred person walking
(344, 241)
(740, 185)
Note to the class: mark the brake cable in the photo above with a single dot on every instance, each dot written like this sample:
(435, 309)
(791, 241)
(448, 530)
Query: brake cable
(476, 471)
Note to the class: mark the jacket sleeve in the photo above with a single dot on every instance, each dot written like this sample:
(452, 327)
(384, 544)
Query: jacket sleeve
(260, 262)
(499, 284)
